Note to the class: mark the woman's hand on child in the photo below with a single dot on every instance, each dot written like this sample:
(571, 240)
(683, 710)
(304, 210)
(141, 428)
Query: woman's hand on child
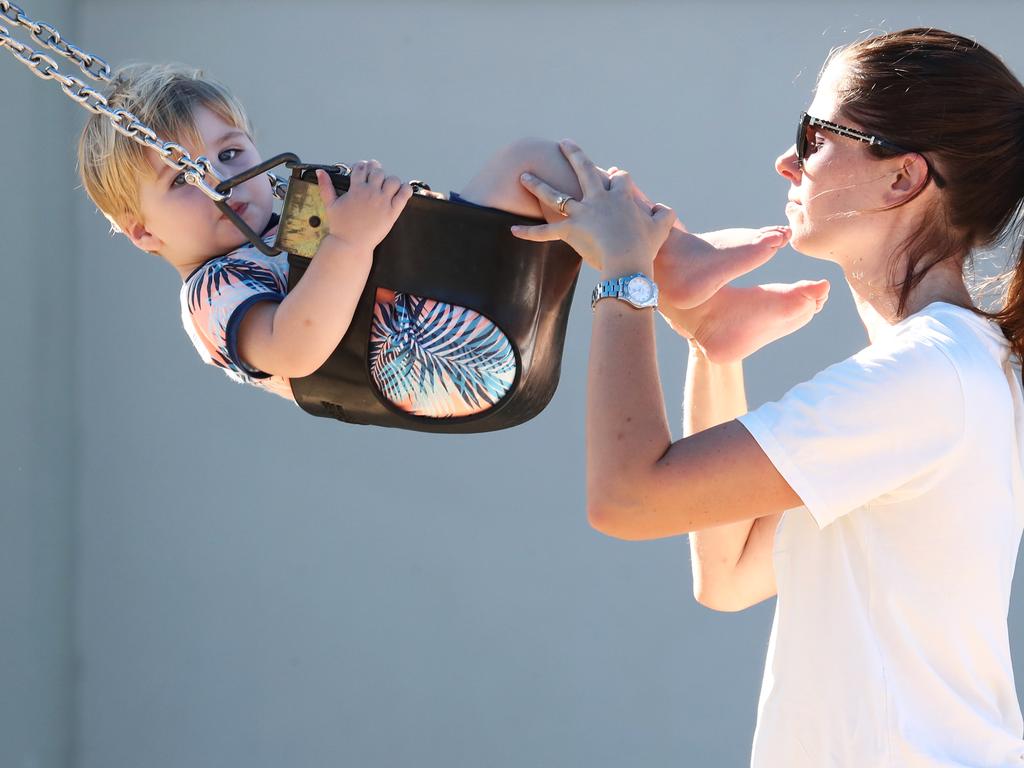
(608, 227)
(364, 215)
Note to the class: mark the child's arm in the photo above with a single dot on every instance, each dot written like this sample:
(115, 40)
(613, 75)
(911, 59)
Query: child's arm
(293, 338)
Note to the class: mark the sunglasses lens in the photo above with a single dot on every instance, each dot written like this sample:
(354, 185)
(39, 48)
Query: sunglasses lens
(801, 139)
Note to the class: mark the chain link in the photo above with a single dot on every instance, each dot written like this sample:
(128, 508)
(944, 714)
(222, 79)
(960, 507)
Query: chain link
(124, 122)
(47, 35)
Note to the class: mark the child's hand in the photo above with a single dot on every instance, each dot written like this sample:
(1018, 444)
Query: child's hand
(364, 215)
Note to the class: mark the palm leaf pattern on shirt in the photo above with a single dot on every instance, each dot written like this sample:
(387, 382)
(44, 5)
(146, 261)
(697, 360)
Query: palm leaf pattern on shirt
(431, 352)
(223, 271)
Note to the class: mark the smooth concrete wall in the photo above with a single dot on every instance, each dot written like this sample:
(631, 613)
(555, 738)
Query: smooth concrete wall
(254, 586)
(37, 412)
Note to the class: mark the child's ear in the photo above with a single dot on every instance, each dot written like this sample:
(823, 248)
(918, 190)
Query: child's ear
(141, 237)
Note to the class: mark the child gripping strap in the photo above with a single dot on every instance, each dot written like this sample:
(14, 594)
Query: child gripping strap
(472, 341)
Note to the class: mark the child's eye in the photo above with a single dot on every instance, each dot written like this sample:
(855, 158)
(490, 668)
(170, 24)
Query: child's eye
(225, 156)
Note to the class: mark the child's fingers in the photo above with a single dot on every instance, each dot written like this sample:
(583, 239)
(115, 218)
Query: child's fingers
(541, 233)
(327, 193)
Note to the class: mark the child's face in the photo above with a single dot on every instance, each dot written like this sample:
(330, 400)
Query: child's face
(182, 224)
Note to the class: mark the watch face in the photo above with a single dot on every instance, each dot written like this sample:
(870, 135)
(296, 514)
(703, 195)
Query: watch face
(639, 289)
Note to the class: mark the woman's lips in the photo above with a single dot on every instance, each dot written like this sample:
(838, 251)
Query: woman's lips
(240, 208)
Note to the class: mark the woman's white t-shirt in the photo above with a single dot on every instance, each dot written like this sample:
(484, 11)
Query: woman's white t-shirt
(889, 645)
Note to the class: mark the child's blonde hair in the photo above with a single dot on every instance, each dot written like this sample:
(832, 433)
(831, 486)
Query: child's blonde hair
(164, 97)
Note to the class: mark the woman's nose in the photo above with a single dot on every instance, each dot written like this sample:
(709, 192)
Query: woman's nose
(787, 166)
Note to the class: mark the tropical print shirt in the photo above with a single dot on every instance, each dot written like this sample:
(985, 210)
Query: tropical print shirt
(426, 357)
(215, 298)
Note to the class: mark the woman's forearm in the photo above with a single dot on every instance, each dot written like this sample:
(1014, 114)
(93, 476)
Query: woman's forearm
(714, 394)
(627, 426)
(640, 485)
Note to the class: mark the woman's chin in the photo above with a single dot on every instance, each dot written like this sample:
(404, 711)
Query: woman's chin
(805, 245)
(798, 241)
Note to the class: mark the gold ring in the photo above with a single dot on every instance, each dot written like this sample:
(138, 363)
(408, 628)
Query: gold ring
(561, 202)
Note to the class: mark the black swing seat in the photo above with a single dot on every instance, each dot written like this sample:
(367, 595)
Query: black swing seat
(449, 251)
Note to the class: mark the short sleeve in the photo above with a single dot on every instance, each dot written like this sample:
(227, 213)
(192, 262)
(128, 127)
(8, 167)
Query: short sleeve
(879, 422)
(216, 298)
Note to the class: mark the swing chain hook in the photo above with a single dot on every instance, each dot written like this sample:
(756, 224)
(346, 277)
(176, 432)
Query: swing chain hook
(278, 185)
(200, 169)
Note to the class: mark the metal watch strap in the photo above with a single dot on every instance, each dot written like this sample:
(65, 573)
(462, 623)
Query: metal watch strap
(617, 288)
(607, 289)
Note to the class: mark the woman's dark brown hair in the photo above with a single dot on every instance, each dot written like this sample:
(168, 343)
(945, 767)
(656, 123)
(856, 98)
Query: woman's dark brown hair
(956, 102)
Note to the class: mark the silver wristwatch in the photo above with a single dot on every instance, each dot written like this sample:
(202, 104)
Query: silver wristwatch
(636, 289)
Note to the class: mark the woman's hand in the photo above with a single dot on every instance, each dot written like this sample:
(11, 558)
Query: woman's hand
(610, 228)
(364, 215)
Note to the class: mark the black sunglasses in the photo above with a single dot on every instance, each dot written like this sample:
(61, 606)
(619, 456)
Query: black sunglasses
(807, 122)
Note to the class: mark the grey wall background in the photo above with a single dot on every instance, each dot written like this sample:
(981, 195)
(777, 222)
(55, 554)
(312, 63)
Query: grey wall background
(195, 573)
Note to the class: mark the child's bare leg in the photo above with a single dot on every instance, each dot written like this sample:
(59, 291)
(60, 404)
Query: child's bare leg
(695, 269)
(497, 184)
(692, 271)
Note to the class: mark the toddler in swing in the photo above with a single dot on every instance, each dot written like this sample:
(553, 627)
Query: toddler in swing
(235, 306)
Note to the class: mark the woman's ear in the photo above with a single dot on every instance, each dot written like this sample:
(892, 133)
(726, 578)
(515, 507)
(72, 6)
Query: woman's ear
(909, 178)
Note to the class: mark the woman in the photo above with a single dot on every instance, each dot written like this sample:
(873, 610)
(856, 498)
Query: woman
(883, 499)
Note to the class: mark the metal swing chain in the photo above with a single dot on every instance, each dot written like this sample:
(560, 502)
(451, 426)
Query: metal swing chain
(92, 66)
(124, 122)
